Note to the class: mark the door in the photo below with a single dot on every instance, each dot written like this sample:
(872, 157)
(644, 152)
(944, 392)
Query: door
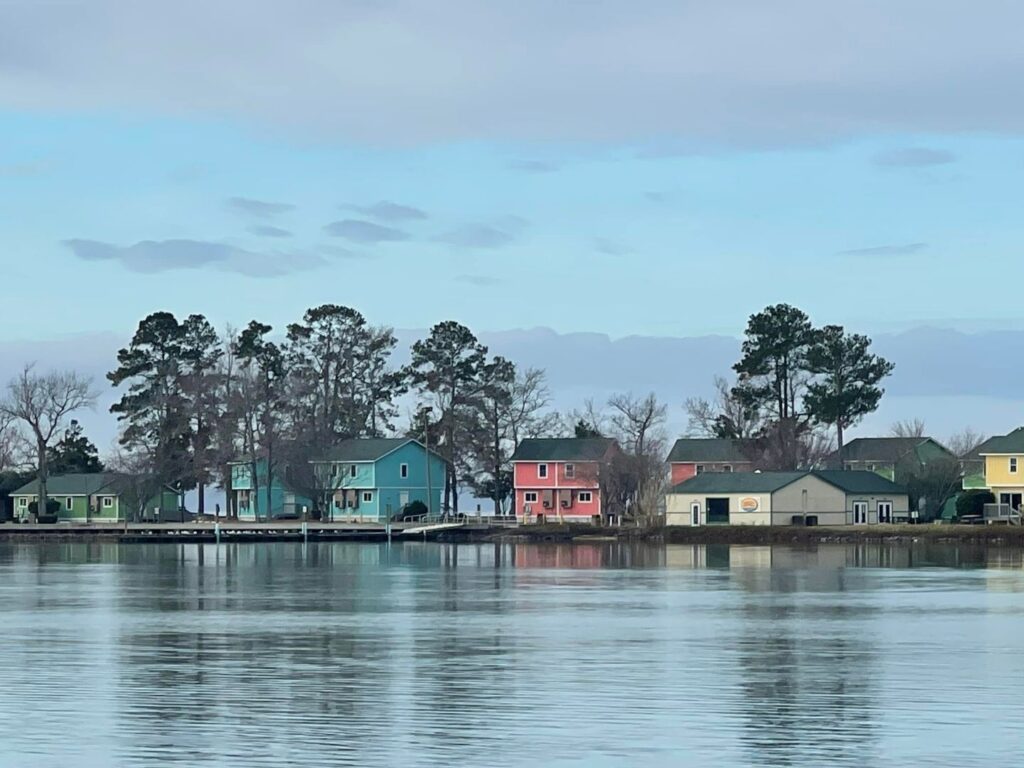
(860, 513)
(403, 499)
(695, 513)
(885, 511)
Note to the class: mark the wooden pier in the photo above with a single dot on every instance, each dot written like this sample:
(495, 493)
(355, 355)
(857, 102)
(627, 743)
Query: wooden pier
(234, 530)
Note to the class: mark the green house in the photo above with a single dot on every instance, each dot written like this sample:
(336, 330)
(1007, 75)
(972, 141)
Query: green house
(894, 458)
(102, 497)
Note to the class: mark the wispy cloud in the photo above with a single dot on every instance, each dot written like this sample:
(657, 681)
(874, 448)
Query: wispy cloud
(611, 247)
(365, 231)
(338, 252)
(268, 230)
(477, 236)
(887, 250)
(913, 157)
(479, 281)
(385, 210)
(154, 256)
(261, 209)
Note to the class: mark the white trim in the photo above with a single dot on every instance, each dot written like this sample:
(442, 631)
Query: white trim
(588, 494)
(527, 497)
(542, 475)
(69, 503)
(569, 471)
(366, 500)
(403, 471)
(1011, 465)
(108, 502)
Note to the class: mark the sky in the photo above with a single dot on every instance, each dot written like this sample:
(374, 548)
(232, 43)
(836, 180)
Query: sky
(644, 168)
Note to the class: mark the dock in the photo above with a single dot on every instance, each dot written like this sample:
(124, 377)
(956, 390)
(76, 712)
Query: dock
(276, 530)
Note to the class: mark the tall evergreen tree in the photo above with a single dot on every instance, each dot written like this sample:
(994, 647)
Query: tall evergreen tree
(847, 377)
(74, 453)
(448, 369)
(199, 375)
(155, 410)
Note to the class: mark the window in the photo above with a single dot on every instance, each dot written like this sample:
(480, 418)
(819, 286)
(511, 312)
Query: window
(542, 470)
(700, 469)
(23, 502)
(367, 497)
(570, 471)
(108, 502)
(872, 467)
(585, 497)
(69, 503)
(727, 467)
(1013, 465)
(530, 497)
(352, 470)
(403, 470)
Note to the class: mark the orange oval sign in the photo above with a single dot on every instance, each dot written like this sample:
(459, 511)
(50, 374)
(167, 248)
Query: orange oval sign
(749, 504)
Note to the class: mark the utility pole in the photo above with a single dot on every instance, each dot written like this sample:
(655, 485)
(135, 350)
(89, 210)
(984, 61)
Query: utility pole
(426, 455)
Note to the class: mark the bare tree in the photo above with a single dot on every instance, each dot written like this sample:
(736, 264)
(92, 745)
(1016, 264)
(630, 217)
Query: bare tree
(908, 428)
(965, 441)
(43, 403)
(639, 425)
(724, 416)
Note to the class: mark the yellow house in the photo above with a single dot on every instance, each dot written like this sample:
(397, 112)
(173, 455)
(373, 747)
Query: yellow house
(1004, 468)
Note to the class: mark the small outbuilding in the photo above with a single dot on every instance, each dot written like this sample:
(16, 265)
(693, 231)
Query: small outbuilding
(820, 497)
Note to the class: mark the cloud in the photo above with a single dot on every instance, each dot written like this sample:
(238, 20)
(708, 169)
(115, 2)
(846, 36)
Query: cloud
(154, 256)
(266, 230)
(477, 236)
(887, 250)
(533, 166)
(385, 210)
(611, 247)
(365, 232)
(343, 253)
(791, 72)
(258, 208)
(913, 157)
(480, 281)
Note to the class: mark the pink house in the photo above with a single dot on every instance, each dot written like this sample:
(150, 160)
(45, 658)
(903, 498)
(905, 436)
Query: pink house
(558, 479)
(696, 455)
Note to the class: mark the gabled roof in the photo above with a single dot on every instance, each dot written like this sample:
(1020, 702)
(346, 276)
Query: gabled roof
(889, 449)
(848, 481)
(1011, 443)
(737, 482)
(859, 481)
(563, 449)
(708, 449)
(361, 449)
(80, 484)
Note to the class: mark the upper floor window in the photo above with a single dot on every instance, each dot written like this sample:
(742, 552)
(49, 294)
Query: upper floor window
(570, 471)
(542, 470)
(1013, 465)
(352, 470)
(403, 470)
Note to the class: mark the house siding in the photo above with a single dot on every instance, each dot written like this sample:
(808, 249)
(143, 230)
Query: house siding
(527, 479)
(681, 471)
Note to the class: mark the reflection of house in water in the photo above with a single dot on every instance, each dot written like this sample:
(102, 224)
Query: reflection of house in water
(559, 556)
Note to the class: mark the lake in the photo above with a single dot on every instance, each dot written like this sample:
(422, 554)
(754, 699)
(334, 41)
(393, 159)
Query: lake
(425, 654)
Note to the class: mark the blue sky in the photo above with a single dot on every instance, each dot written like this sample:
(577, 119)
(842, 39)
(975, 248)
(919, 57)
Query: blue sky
(507, 168)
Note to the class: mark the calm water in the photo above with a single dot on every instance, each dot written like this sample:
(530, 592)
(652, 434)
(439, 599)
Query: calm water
(511, 655)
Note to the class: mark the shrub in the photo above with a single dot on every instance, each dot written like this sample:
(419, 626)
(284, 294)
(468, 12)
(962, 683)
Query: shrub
(52, 507)
(973, 502)
(414, 509)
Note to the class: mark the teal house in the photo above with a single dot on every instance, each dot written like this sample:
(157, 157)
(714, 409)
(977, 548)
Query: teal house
(375, 479)
(100, 497)
(250, 499)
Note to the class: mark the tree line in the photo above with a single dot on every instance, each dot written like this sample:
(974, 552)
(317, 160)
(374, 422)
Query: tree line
(193, 399)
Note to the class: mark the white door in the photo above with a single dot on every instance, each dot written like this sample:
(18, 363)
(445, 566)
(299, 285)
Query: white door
(403, 498)
(695, 514)
(860, 513)
(885, 511)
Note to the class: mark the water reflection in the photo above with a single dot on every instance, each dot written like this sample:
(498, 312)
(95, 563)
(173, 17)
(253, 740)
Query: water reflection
(595, 654)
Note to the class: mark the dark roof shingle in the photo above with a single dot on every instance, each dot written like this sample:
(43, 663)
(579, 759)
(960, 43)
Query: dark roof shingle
(709, 449)
(365, 448)
(563, 449)
(849, 481)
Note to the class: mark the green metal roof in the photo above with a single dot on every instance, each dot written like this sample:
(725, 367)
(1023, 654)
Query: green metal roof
(891, 449)
(708, 449)
(859, 481)
(563, 449)
(74, 485)
(849, 481)
(737, 482)
(1011, 443)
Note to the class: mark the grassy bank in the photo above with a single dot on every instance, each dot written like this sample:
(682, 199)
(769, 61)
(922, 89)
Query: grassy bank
(749, 534)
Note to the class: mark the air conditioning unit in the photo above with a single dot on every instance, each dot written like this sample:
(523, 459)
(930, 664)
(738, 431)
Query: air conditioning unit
(566, 503)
